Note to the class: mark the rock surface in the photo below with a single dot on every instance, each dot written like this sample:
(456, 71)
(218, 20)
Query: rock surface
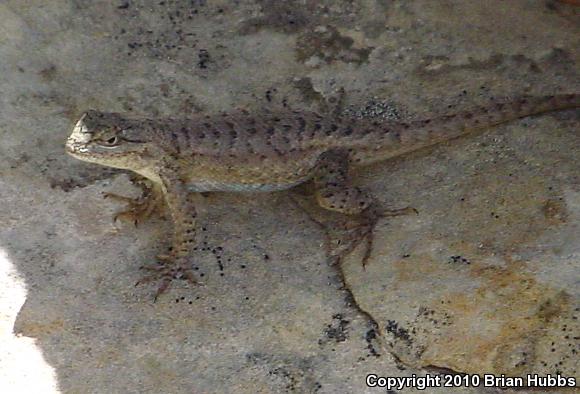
(483, 280)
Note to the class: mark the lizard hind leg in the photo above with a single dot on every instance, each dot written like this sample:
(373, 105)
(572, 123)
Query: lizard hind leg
(335, 192)
(333, 188)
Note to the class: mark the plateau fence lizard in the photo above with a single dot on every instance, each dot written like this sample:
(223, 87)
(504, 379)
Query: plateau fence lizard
(265, 151)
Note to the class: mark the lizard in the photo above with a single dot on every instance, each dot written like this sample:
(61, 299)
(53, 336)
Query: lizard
(265, 151)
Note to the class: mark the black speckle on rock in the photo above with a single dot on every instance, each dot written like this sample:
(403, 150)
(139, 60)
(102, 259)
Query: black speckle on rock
(398, 332)
(204, 59)
(458, 259)
(337, 330)
(370, 336)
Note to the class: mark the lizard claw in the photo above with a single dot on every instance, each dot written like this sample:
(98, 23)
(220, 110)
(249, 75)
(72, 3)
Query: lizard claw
(367, 229)
(138, 209)
(362, 231)
(163, 286)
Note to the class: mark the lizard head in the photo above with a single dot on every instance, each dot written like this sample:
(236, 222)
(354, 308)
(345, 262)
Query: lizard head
(112, 140)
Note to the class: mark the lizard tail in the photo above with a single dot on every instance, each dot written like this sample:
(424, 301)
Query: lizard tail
(400, 138)
(501, 112)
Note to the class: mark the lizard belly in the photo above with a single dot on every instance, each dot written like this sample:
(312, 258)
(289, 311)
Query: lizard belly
(251, 174)
(209, 186)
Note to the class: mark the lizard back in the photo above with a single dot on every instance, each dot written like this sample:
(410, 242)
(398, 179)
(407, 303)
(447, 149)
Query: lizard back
(282, 134)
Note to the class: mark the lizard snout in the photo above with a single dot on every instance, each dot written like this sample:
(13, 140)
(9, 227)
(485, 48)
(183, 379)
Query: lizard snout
(78, 138)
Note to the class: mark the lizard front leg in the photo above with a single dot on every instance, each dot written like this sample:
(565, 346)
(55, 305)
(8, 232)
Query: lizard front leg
(175, 265)
(141, 208)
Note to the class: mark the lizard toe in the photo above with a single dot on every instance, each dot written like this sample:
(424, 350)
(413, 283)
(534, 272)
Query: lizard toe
(165, 273)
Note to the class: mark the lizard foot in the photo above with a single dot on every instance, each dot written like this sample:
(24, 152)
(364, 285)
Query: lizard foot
(362, 231)
(165, 272)
(138, 209)
(344, 235)
(371, 217)
(372, 214)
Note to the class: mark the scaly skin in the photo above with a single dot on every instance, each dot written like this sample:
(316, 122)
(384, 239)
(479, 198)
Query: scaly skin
(268, 151)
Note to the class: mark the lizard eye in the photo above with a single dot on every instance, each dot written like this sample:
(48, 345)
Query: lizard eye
(111, 141)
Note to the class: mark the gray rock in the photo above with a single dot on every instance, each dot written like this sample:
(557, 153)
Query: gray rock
(483, 280)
